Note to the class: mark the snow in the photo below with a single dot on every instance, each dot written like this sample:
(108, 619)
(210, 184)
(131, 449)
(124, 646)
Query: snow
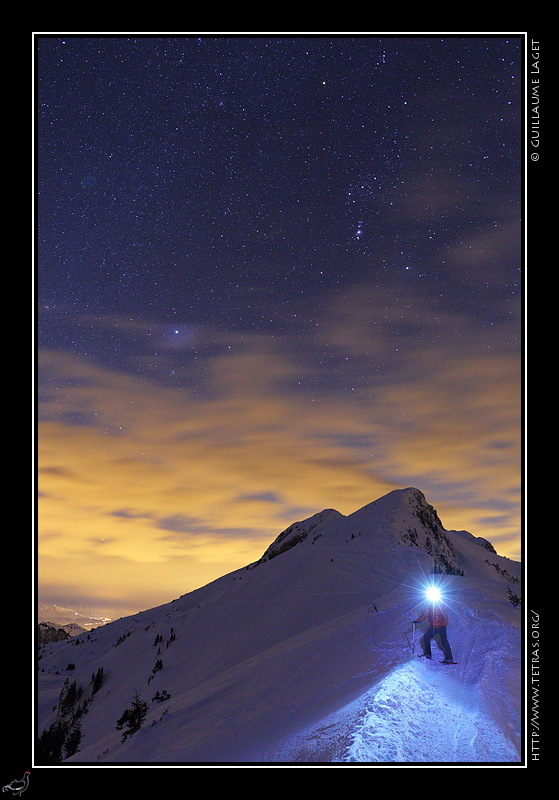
(443, 722)
(306, 656)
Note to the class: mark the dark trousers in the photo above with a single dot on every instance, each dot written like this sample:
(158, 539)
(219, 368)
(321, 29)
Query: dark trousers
(439, 635)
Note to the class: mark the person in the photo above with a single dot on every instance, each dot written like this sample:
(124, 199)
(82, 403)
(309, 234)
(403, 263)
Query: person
(437, 620)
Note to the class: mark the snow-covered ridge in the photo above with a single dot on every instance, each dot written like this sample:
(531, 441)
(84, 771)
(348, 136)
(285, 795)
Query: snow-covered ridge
(303, 656)
(420, 527)
(478, 539)
(299, 531)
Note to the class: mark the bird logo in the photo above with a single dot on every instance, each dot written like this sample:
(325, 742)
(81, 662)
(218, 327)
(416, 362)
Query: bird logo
(17, 787)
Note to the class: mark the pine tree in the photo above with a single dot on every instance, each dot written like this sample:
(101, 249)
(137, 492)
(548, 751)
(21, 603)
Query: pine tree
(51, 742)
(73, 740)
(69, 695)
(133, 717)
(514, 599)
(97, 680)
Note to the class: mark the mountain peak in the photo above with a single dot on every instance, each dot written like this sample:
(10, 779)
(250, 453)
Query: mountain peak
(399, 497)
(401, 517)
(405, 516)
(299, 531)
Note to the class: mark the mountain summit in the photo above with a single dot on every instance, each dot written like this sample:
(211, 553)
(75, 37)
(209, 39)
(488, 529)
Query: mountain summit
(306, 655)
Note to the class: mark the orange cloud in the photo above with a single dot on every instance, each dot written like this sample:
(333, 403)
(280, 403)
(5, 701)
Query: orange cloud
(149, 490)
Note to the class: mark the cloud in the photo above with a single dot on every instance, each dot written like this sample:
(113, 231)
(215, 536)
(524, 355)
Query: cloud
(176, 486)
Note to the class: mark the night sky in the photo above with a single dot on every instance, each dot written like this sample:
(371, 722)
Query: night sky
(275, 274)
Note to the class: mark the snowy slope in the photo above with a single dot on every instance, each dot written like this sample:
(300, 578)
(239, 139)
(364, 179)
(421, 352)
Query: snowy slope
(306, 655)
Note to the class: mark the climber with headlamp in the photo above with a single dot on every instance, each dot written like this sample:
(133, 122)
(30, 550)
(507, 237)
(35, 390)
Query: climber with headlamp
(437, 621)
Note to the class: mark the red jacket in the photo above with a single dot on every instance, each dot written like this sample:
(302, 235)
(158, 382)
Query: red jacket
(436, 616)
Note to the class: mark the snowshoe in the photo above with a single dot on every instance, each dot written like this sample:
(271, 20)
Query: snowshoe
(447, 661)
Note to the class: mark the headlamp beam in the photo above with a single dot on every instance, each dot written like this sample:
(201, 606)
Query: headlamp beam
(433, 594)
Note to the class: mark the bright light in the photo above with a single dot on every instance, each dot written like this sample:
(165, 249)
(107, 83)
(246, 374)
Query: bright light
(433, 594)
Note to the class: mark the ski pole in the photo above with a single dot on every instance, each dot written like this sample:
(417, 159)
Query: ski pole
(413, 638)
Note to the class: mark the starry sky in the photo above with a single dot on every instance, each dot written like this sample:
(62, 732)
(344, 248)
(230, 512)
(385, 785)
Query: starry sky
(274, 274)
